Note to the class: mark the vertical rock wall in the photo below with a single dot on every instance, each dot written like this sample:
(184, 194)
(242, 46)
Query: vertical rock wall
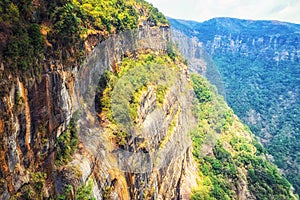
(35, 112)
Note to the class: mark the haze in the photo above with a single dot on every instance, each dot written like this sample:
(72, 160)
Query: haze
(200, 10)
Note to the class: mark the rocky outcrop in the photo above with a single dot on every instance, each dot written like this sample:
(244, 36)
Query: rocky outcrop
(198, 59)
(269, 47)
(192, 50)
(110, 52)
(35, 112)
(271, 40)
(153, 162)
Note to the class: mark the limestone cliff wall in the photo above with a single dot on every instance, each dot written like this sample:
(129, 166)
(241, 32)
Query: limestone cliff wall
(198, 58)
(34, 112)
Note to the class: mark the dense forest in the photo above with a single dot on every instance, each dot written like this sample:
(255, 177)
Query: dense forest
(35, 30)
(259, 65)
(225, 149)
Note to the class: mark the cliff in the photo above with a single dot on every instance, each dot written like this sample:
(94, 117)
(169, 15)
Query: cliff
(96, 103)
(271, 40)
(44, 112)
(198, 59)
(53, 145)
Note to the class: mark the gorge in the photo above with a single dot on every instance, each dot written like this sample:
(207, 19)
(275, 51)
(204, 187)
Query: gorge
(97, 103)
(257, 67)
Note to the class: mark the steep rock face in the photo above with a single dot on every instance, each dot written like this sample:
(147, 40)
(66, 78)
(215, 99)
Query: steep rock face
(34, 113)
(199, 60)
(152, 162)
(271, 40)
(109, 53)
(192, 50)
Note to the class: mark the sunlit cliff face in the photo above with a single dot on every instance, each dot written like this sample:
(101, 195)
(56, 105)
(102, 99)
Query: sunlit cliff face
(157, 149)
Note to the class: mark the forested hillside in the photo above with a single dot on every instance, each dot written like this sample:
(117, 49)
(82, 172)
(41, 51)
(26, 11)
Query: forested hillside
(259, 63)
(232, 163)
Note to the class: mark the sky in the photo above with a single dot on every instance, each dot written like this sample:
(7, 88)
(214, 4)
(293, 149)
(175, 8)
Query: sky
(202, 10)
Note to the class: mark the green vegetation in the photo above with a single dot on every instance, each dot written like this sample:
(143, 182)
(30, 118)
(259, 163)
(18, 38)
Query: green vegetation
(67, 144)
(235, 156)
(65, 25)
(171, 51)
(171, 128)
(262, 83)
(264, 94)
(68, 25)
(35, 188)
(21, 44)
(120, 92)
(84, 192)
(155, 17)
(118, 15)
(115, 15)
(161, 91)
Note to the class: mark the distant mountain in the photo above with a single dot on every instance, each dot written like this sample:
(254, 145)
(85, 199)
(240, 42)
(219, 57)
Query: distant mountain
(245, 36)
(259, 63)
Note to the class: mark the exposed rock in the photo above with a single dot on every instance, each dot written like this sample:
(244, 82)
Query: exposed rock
(1, 66)
(34, 115)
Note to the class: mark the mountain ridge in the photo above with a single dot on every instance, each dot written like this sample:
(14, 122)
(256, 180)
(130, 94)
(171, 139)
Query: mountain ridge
(231, 19)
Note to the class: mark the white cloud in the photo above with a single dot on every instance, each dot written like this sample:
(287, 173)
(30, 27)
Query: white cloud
(201, 10)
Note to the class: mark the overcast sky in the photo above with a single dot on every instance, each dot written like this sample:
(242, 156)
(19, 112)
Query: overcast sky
(201, 10)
